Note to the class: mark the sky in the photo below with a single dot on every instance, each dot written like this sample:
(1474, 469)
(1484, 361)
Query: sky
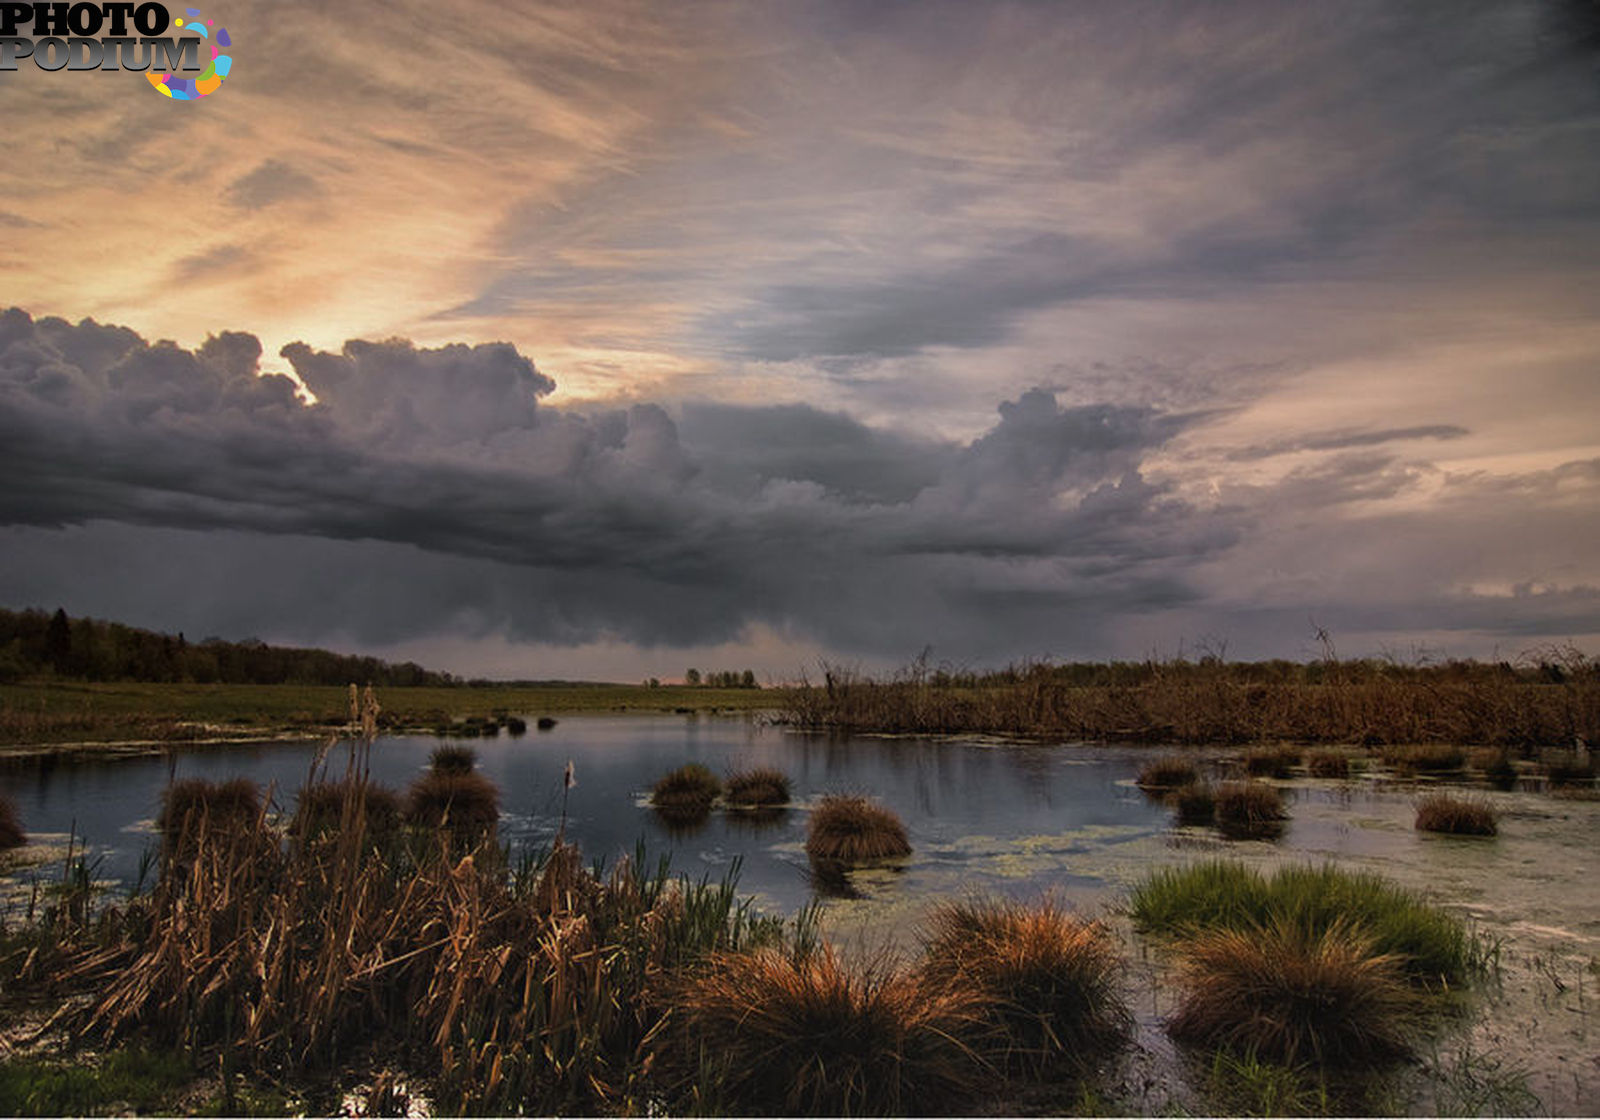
(598, 341)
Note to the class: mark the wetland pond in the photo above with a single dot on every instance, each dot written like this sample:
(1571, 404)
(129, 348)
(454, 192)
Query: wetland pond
(983, 817)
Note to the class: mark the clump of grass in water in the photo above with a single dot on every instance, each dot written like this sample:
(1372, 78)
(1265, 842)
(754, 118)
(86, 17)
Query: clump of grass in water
(1328, 764)
(1272, 762)
(1430, 946)
(465, 805)
(451, 759)
(194, 806)
(320, 807)
(1194, 803)
(770, 1033)
(1439, 812)
(1168, 772)
(11, 834)
(845, 829)
(760, 788)
(1498, 769)
(688, 788)
(1426, 758)
(1288, 994)
(1049, 979)
(1249, 810)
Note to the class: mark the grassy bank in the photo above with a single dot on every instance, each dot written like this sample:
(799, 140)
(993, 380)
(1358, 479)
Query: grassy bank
(75, 711)
(1552, 701)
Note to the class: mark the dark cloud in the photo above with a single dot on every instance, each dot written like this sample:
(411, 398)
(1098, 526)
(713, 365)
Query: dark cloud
(273, 181)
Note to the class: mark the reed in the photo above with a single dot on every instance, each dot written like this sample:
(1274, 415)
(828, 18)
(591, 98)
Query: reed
(1167, 773)
(1440, 812)
(690, 787)
(1048, 979)
(763, 787)
(1290, 994)
(771, 1034)
(11, 834)
(849, 830)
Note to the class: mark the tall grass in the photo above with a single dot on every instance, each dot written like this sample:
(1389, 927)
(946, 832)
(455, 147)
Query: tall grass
(772, 1034)
(1429, 945)
(1168, 772)
(1249, 810)
(690, 787)
(1049, 979)
(11, 834)
(1328, 763)
(1272, 762)
(194, 808)
(465, 805)
(1370, 703)
(762, 787)
(450, 758)
(846, 829)
(1290, 994)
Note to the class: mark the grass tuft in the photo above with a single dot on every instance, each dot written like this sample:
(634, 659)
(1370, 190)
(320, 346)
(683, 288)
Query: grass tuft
(1290, 994)
(767, 1033)
(465, 805)
(760, 788)
(1328, 764)
(1168, 772)
(1249, 810)
(320, 808)
(1194, 803)
(1272, 762)
(452, 759)
(1049, 978)
(11, 834)
(1426, 758)
(1431, 946)
(688, 788)
(1439, 812)
(193, 807)
(848, 829)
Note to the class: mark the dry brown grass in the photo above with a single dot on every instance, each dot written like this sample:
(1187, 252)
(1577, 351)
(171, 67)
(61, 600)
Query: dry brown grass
(1168, 772)
(1049, 979)
(1328, 764)
(763, 787)
(689, 788)
(845, 829)
(11, 834)
(1426, 758)
(1289, 994)
(1272, 762)
(195, 807)
(1440, 812)
(1195, 803)
(818, 1037)
(467, 806)
(1249, 810)
(321, 807)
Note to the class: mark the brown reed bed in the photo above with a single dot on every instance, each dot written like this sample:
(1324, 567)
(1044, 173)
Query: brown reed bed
(11, 834)
(1249, 810)
(1458, 816)
(689, 788)
(1167, 773)
(760, 788)
(1291, 994)
(1049, 980)
(769, 1033)
(848, 830)
(1367, 703)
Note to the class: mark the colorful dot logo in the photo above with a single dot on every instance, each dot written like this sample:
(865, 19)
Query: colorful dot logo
(193, 89)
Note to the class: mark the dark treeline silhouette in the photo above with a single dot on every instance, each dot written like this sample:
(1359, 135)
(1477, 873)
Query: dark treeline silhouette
(34, 643)
(730, 678)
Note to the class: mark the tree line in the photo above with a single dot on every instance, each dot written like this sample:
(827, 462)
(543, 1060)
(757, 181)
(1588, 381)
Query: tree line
(34, 643)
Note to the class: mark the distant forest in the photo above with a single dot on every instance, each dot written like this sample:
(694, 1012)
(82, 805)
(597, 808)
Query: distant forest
(35, 643)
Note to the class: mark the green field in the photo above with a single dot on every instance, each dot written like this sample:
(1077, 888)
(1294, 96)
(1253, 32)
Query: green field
(75, 711)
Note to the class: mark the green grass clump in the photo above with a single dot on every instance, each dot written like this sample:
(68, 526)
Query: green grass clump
(1050, 979)
(194, 805)
(760, 788)
(1429, 945)
(846, 829)
(452, 759)
(465, 805)
(689, 787)
(1249, 810)
(1328, 764)
(1194, 803)
(1272, 762)
(123, 1080)
(1168, 772)
(1289, 994)
(11, 834)
(765, 1033)
(1439, 812)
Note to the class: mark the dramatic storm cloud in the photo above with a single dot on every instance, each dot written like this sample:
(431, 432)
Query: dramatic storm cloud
(554, 340)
